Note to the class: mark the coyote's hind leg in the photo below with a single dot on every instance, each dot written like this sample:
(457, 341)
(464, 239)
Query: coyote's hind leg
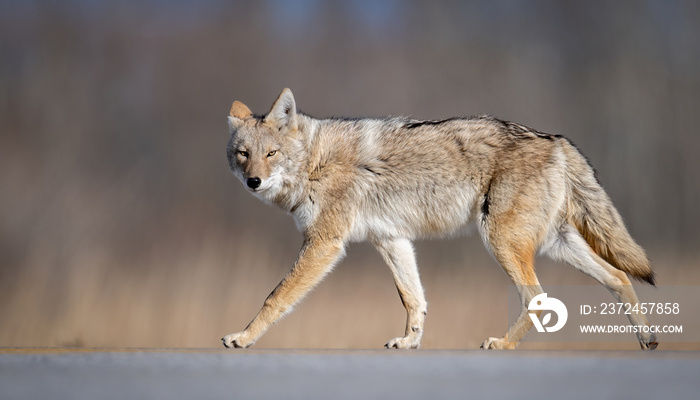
(518, 264)
(569, 246)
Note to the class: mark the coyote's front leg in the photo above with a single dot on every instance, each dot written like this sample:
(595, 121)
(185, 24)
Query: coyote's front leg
(398, 254)
(316, 259)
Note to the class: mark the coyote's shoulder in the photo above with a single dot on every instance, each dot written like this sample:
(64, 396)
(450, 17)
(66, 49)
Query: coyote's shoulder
(392, 180)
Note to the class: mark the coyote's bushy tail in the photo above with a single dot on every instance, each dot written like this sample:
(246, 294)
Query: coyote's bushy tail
(591, 211)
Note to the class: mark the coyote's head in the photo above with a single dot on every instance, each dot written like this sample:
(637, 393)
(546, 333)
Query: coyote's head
(263, 151)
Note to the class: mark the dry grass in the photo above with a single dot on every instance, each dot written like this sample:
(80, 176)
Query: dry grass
(190, 296)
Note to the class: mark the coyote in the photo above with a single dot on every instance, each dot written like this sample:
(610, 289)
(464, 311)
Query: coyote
(393, 180)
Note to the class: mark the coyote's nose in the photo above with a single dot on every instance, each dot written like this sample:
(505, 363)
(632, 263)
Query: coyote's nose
(253, 183)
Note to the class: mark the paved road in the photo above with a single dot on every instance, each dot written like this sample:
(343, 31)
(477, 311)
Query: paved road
(284, 374)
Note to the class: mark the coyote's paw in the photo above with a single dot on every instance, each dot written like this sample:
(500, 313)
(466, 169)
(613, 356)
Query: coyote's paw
(498, 343)
(403, 343)
(649, 343)
(238, 340)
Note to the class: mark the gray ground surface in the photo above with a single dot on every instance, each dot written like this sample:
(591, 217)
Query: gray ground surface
(273, 374)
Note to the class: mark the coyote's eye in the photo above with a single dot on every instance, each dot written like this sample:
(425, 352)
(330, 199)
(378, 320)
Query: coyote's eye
(272, 153)
(243, 153)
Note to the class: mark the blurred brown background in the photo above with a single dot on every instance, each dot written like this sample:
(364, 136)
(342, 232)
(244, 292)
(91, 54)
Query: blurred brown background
(120, 224)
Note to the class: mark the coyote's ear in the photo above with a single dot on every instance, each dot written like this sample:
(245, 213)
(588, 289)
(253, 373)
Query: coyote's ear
(240, 110)
(283, 112)
(238, 113)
